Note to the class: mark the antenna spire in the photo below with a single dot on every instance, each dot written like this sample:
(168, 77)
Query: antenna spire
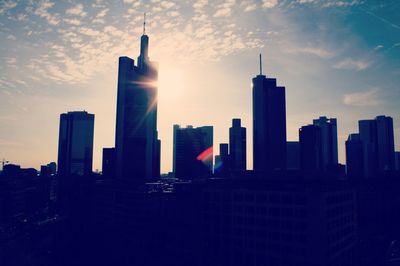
(260, 65)
(144, 23)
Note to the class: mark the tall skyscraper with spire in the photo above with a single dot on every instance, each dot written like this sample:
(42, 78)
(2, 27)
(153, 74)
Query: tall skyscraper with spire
(136, 145)
(269, 124)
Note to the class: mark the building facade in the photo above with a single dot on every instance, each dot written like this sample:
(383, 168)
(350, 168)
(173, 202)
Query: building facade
(269, 125)
(193, 152)
(237, 146)
(136, 145)
(75, 144)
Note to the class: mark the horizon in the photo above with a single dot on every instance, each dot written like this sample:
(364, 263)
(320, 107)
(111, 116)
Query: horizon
(352, 80)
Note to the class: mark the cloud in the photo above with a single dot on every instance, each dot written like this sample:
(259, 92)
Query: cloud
(248, 5)
(269, 3)
(330, 3)
(316, 51)
(42, 11)
(350, 64)
(378, 47)
(11, 37)
(7, 5)
(102, 13)
(75, 22)
(224, 9)
(223, 12)
(366, 98)
(76, 11)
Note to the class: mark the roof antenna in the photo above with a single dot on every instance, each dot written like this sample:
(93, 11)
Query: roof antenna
(144, 23)
(260, 65)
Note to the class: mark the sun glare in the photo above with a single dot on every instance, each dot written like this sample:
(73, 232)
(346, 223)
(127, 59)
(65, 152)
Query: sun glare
(170, 83)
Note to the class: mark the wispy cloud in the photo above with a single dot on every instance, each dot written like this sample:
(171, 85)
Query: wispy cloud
(75, 22)
(42, 11)
(351, 64)
(76, 11)
(7, 5)
(316, 51)
(365, 98)
(269, 3)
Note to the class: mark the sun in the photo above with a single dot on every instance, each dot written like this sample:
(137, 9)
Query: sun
(170, 83)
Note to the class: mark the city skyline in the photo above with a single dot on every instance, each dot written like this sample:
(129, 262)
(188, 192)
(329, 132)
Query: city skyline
(185, 87)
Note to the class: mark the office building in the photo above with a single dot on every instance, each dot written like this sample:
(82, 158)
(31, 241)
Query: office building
(293, 155)
(354, 156)
(75, 143)
(279, 223)
(223, 160)
(136, 144)
(378, 145)
(237, 146)
(310, 149)
(269, 124)
(108, 164)
(329, 143)
(193, 152)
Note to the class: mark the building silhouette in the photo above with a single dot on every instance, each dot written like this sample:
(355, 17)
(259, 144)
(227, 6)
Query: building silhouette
(310, 149)
(329, 144)
(237, 146)
(269, 124)
(397, 159)
(223, 160)
(293, 155)
(354, 156)
(378, 145)
(75, 143)
(193, 154)
(136, 145)
(108, 163)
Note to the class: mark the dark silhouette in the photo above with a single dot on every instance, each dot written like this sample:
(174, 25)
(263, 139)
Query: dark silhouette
(269, 125)
(136, 145)
(193, 154)
(237, 146)
(75, 143)
(297, 207)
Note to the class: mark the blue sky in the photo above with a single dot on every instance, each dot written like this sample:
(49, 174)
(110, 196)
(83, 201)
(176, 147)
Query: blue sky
(336, 58)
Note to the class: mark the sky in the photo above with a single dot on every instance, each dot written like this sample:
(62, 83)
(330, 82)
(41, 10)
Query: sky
(336, 58)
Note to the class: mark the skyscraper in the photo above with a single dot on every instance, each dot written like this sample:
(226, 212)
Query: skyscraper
(329, 143)
(237, 146)
(224, 158)
(108, 163)
(293, 155)
(378, 145)
(269, 124)
(310, 149)
(193, 152)
(75, 143)
(136, 145)
(354, 156)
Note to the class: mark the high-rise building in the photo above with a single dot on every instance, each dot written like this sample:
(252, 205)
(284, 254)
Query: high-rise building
(269, 124)
(136, 145)
(224, 163)
(108, 163)
(193, 152)
(75, 143)
(397, 159)
(378, 145)
(354, 156)
(293, 155)
(237, 146)
(310, 149)
(329, 143)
